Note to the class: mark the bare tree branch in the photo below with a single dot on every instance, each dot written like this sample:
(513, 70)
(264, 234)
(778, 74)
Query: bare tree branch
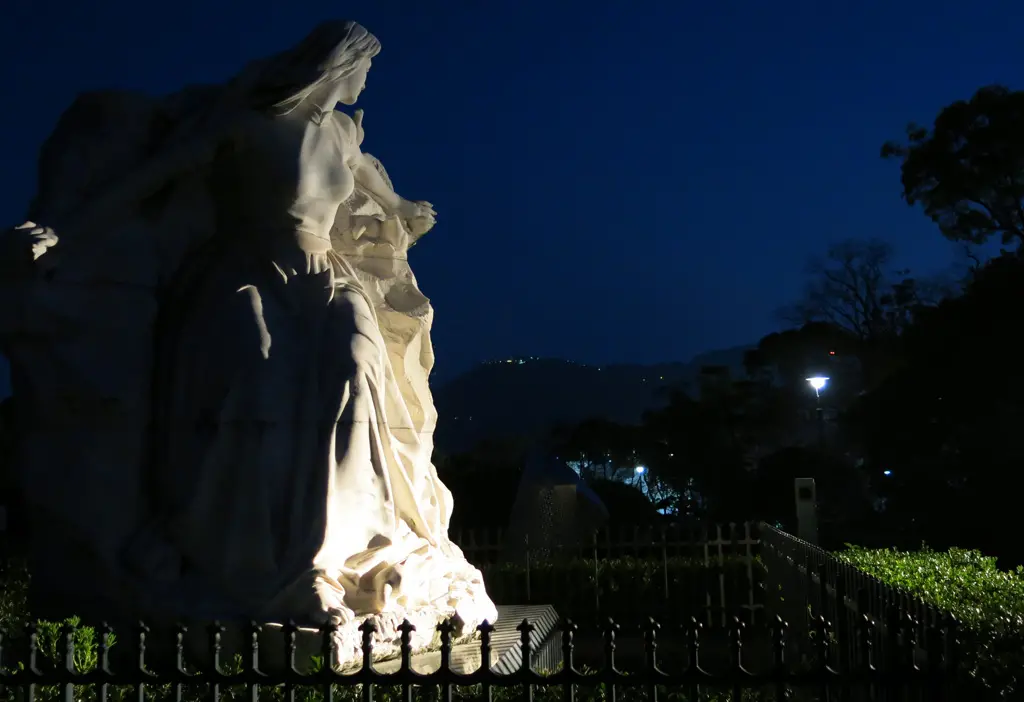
(855, 289)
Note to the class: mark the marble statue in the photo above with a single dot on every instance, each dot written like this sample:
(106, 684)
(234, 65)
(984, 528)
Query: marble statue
(220, 357)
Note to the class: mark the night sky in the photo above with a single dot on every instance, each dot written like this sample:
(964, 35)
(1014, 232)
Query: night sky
(615, 181)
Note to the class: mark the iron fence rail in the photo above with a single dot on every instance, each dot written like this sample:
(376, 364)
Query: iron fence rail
(824, 674)
(829, 630)
(803, 581)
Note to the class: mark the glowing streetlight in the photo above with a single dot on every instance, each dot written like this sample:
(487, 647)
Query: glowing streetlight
(818, 382)
(640, 470)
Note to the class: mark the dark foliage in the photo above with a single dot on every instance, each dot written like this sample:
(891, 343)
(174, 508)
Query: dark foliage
(967, 172)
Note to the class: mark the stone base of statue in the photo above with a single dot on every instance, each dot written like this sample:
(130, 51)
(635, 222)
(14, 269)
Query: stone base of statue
(506, 643)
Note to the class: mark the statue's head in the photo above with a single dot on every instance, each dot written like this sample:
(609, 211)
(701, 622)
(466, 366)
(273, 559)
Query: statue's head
(335, 56)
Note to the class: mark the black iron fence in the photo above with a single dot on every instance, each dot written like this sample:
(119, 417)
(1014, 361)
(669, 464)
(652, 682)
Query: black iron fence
(672, 666)
(870, 624)
(824, 631)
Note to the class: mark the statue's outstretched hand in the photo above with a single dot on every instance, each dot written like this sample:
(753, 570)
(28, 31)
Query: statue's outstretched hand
(419, 217)
(418, 226)
(22, 246)
(409, 210)
(36, 238)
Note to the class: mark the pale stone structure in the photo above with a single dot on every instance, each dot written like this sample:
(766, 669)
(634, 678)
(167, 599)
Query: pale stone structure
(220, 357)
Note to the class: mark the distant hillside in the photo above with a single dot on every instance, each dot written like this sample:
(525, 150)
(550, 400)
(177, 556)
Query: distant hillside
(525, 397)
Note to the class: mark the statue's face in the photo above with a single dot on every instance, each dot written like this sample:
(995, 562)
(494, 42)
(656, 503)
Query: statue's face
(353, 84)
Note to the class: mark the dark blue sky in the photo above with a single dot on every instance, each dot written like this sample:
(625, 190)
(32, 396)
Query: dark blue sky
(615, 181)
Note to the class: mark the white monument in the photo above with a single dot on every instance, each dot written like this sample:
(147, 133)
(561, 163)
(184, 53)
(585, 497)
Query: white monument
(220, 358)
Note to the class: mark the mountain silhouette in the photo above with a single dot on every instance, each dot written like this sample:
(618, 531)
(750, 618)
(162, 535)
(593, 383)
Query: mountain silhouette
(526, 397)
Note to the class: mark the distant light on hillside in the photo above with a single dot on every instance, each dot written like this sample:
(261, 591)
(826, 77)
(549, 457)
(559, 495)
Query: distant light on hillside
(512, 361)
(640, 470)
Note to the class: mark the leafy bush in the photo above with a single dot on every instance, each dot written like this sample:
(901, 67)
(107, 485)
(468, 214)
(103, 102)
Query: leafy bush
(13, 596)
(988, 602)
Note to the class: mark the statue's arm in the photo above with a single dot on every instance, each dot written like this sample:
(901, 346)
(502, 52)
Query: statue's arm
(419, 216)
(363, 169)
(367, 176)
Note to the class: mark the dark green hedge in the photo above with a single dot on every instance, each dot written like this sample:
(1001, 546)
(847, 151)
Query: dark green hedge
(988, 602)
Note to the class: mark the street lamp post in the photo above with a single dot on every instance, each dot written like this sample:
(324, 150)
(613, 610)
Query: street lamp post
(806, 498)
(818, 382)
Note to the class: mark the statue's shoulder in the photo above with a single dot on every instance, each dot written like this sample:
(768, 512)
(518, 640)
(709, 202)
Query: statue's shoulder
(344, 126)
(343, 121)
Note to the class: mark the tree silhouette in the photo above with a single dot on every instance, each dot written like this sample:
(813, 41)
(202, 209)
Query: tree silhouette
(941, 435)
(967, 172)
(860, 304)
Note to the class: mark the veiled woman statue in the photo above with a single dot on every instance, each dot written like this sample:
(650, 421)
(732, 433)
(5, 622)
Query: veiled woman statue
(290, 473)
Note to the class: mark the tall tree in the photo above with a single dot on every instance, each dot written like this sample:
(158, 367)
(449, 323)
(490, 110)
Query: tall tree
(867, 302)
(856, 290)
(598, 448)
(941, 435)
(699, 447)
(967, 172)
(789, 357)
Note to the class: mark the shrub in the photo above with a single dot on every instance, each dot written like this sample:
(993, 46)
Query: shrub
(13, 596)
(988, 602)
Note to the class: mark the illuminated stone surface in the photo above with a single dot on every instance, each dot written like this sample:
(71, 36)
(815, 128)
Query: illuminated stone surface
(220, 357)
